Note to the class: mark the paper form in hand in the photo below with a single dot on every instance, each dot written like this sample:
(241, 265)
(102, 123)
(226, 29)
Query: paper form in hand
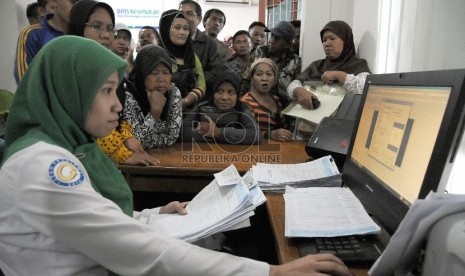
(325, 212)
(214, 209)
(329, 104)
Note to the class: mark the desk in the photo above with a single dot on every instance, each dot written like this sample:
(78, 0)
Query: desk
(189, 167)
(287, 248)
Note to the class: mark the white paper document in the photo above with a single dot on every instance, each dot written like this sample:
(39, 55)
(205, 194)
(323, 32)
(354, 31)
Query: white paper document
(214, 209)
(325, 212)
(329, 104)
(249, 180)
(228, 176)
(277, 176)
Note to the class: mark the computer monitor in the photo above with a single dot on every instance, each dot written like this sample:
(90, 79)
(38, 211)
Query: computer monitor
(408, 129)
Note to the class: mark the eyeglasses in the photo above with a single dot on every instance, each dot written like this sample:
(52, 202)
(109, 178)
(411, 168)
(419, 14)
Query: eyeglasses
(189, 13)
(101, 28)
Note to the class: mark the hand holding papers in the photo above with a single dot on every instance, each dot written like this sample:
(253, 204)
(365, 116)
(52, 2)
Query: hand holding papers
(325, 212)
(216, 208)
(330, 98)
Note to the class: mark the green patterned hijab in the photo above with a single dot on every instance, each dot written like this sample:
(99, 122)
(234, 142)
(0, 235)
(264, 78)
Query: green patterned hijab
(53, 100)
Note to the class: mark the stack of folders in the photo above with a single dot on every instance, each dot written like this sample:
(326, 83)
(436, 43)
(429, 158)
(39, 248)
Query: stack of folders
(321, 172)
(226, 203)
(325, 212)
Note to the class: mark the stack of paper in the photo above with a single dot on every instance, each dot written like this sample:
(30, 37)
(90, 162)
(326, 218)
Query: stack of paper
(321, 172)
(226, 203)
(325, 212)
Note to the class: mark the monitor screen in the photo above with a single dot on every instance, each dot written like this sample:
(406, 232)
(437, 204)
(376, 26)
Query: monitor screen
(398, 128)
(404, 139)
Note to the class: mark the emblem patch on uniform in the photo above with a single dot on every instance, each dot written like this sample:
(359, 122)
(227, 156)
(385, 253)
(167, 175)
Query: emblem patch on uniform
(65, 173)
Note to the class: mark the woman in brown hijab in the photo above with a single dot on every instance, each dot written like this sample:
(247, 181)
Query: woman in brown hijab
(340, 65)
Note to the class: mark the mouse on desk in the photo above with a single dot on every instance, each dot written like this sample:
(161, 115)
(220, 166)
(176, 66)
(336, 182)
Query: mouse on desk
(316, 103)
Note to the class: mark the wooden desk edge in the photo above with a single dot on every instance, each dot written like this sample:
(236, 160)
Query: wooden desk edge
(175, 176)
(287, 248)
(166, 170)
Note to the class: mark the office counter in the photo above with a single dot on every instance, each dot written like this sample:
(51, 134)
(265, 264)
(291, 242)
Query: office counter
(286, 248)
(188, 168)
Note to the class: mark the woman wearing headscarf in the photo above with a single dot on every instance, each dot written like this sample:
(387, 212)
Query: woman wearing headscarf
(187, 72)
(223, 118)
(341, 64)
(65, 209)
(265, 105)
(153, 103)
(96, 21)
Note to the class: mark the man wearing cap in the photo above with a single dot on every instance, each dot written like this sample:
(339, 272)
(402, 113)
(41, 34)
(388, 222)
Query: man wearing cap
(279, 49)
(121, 44)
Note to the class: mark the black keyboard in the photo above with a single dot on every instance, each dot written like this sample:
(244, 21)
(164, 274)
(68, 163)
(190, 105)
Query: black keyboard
(354, 250)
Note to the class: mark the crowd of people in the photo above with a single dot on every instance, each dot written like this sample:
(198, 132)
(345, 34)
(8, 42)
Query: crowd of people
(196, 60)
(78, 112)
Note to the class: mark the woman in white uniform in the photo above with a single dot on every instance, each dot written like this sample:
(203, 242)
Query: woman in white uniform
(64, 207)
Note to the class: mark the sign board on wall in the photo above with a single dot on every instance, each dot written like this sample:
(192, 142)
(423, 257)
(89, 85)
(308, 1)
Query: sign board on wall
(138, 13)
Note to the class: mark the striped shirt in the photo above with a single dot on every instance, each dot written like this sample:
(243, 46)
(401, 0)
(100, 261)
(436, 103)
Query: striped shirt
(267, 120)
(31, 39)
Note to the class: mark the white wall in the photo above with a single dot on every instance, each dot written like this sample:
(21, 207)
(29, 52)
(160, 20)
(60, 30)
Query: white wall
(437, 36)
(365, 30)
(361, 15)
(9, 31)
(317, 14)
(238, 16)
(393, 35)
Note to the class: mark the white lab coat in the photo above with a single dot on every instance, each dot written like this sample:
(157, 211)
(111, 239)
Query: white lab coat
(50, 229)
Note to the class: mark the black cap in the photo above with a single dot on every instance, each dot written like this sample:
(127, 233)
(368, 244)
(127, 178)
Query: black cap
(283, 29)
